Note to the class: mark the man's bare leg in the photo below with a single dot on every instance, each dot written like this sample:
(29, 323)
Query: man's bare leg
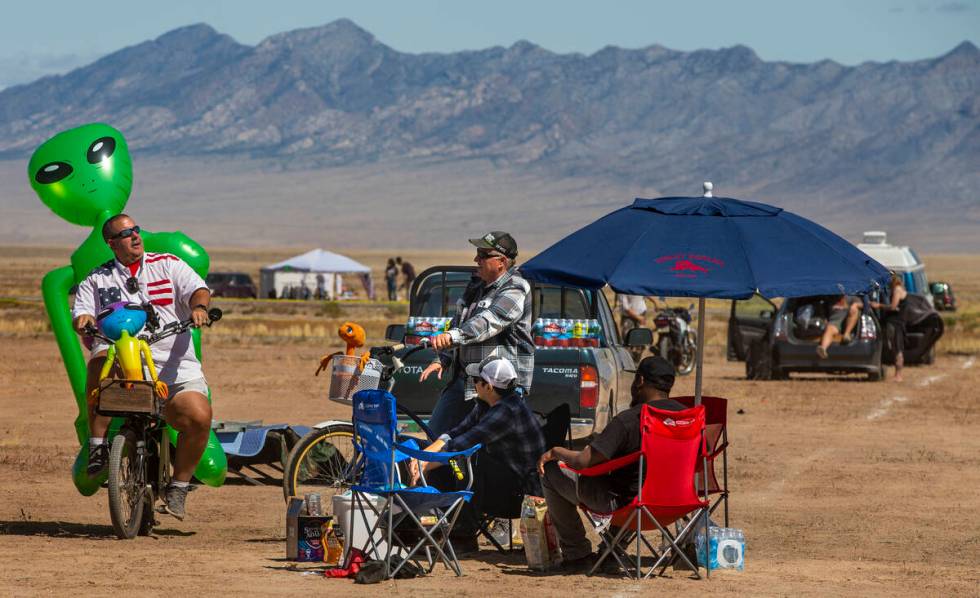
(853, 313)
(189, 413)
(826, 339)
(98, 425)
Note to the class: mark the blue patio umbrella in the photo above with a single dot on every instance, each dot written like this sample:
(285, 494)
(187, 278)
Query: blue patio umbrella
(707, 247)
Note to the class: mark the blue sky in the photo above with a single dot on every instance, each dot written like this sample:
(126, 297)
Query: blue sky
(62, 34)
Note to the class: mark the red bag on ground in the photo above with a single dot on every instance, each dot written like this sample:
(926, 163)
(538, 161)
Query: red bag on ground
(357, 559)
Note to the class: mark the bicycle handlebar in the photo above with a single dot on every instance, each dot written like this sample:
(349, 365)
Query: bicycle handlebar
(173, 329)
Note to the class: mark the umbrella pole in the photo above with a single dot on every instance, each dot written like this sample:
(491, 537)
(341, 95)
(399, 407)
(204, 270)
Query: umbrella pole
(700, 354)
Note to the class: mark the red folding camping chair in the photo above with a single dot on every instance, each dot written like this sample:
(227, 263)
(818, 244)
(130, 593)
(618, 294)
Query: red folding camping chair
(716, 439)
(672, 443)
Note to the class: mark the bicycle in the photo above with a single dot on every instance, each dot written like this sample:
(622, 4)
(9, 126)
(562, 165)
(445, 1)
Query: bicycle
(141, 445)
(324, 460)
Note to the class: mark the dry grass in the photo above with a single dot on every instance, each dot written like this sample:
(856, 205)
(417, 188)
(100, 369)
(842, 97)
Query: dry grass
(22, 314)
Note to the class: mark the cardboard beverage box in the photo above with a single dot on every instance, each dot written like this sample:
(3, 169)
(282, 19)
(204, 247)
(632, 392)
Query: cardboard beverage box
(304, 533)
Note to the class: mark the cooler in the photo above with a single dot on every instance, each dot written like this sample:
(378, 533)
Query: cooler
(342, 511)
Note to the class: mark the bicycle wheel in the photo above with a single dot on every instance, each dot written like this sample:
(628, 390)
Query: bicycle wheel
(127, 486)
(324, 462)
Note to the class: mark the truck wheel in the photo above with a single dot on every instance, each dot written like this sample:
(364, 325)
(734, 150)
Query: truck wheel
(877, 375)
(930, 356)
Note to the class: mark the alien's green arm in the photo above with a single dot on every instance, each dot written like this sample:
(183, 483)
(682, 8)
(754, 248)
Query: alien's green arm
(180, 245)
(110, 357)
(54, 289)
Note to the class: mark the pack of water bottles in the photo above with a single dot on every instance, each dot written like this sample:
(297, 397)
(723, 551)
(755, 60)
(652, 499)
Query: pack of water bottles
(565, 332)
(419, 327)
(726, 548)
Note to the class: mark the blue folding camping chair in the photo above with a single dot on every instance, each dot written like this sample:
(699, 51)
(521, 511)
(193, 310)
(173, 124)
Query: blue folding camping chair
(376, 439)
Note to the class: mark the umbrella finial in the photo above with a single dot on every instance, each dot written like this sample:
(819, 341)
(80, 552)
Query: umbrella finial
(707, 189)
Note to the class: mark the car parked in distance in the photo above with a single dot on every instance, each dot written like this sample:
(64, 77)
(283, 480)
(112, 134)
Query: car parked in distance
(231, 284)
(776, 340)
(943, 298)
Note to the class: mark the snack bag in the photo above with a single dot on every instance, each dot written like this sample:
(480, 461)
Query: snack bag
(538, 535)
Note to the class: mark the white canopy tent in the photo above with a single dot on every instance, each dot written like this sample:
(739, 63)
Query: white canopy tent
(316, 273)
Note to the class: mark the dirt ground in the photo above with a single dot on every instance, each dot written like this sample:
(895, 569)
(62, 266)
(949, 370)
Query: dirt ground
(843, 487)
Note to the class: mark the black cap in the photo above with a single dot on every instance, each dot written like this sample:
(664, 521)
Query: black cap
(657, 371)
(499, 241)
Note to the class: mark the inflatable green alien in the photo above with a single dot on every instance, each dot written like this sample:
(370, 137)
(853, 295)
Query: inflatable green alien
(85, 176)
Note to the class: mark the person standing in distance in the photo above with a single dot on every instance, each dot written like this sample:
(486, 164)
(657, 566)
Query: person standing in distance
(493, 318)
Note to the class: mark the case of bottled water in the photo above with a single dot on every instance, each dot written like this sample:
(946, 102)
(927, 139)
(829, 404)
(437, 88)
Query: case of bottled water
(726, 548)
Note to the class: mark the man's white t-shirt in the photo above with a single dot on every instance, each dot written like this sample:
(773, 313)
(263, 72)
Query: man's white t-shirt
(166, 282)
(634, 303)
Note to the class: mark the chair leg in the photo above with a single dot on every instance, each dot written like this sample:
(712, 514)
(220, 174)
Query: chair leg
(674, 544)
(612, 545)
(445, 524)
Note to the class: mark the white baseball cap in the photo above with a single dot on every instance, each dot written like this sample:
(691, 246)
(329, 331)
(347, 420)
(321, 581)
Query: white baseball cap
(496, 371)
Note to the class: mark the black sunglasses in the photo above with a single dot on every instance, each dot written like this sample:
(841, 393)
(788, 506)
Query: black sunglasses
(485, 254)
(126, 233)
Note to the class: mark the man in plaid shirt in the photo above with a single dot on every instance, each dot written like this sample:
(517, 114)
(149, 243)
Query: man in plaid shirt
(512, 440)
(493, 318)
(500, 421)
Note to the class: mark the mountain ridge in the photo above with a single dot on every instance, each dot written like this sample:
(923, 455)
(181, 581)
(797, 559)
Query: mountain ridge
(335, 95)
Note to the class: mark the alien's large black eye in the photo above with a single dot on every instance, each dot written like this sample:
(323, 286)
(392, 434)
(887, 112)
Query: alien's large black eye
(52, 172)
(101, 149)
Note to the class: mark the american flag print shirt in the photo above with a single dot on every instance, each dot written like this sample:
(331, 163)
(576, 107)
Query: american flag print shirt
(167, 283)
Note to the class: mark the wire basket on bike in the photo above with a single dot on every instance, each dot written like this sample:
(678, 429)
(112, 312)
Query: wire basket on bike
(345, 379)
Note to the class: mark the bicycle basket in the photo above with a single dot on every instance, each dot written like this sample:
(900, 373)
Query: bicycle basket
(345, 379)
(128, 397)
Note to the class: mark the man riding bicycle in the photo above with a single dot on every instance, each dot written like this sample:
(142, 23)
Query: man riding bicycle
(176, 293)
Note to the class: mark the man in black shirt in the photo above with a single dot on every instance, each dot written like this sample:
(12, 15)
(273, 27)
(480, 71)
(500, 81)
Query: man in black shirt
(564, 490)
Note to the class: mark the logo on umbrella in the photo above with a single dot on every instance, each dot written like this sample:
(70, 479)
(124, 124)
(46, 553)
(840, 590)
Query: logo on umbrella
(690, 265)
(687, 265)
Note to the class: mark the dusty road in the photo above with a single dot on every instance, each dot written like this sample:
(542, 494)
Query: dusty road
(841, 486)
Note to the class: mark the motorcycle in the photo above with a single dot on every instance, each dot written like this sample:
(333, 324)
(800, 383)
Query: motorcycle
(677, 342)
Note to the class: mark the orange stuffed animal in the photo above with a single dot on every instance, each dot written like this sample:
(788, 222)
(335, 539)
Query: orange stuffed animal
(354, 336)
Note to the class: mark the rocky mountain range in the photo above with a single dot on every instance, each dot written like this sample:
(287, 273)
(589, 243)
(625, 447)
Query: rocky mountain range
(901, 136)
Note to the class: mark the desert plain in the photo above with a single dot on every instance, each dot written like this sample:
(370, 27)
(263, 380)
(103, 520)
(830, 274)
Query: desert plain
(842, 486)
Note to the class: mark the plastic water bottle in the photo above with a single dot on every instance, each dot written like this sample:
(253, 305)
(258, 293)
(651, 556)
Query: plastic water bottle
(538, 332)
(313, 505)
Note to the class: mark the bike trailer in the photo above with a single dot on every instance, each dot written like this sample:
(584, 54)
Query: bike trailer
(257, 453)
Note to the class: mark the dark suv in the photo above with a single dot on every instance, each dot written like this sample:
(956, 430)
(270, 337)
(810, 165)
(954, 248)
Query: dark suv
(231, 284)
(774, 341)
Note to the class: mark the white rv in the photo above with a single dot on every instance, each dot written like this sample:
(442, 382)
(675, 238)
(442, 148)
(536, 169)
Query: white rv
(900, 258)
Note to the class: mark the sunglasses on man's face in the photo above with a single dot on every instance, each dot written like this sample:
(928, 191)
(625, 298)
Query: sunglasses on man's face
(485, 255)
(126, 233)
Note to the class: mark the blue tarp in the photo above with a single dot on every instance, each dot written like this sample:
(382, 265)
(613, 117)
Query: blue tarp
(714, 247)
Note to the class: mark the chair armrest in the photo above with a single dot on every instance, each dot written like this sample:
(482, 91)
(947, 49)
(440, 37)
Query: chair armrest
(437, 457)
(718, 450)
(608, 466)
